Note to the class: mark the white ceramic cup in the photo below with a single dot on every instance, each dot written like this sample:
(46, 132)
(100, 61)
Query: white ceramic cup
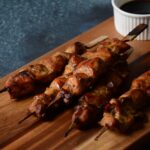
(125, 22)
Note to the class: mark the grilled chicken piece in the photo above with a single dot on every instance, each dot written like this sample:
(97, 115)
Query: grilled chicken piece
(122, 114)
(84, 76)
(142, 82)
(117, 46)
(107, 48)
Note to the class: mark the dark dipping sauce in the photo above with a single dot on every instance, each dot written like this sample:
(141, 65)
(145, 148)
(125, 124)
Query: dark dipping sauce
(137, 7)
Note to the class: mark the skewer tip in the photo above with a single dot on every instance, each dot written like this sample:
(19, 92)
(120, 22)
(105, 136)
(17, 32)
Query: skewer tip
(3, 90)
(71, 127)
(26, 117)
(100, 133)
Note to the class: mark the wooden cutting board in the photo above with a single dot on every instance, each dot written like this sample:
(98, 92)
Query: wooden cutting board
(33, 134)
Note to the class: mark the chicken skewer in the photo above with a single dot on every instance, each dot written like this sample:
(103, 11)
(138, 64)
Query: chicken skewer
(123, 113)
(27, 81)
(91, 105)
(104, 53)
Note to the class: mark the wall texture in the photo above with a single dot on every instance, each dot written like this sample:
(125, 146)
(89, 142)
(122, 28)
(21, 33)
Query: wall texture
(30, 28)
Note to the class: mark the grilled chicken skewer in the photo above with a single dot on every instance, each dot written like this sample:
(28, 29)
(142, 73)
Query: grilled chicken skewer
(89, 110)
(27, 81)
(123, 113)
(104, 52)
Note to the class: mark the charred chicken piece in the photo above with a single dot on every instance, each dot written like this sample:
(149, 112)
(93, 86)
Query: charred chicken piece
(123, 113)
(84, 76)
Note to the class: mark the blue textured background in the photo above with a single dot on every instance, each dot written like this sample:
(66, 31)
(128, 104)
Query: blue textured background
(30, 28)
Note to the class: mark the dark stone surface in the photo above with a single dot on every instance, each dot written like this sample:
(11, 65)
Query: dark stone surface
(30, 28)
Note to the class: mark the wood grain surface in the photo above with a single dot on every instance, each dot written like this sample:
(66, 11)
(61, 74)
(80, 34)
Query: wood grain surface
(34, 134)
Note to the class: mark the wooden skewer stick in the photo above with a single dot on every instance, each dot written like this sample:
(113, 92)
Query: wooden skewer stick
(3, 90)
(135, 32)
(96, 41)
(71, 127)
(26, 117)
(102, 131)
